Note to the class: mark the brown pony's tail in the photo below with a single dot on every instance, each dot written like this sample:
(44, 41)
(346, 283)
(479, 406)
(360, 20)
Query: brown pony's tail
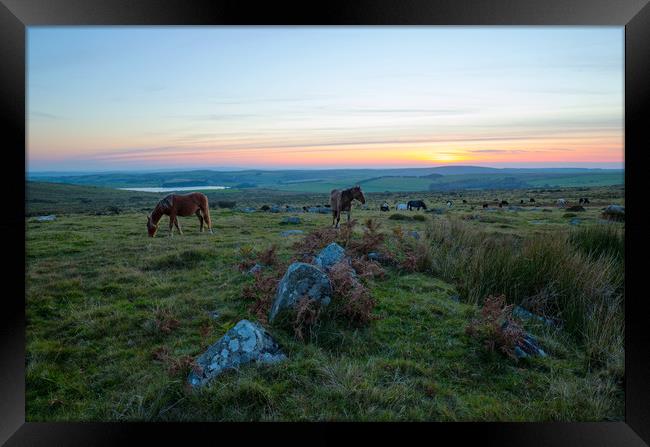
(205, 209)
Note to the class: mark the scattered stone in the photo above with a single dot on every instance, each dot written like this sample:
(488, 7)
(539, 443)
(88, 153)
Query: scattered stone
(254, 269)
(414, 235)
(319, 209)
(291, 233)
(379, 257)
(301, 280)
(291, 220)
(214, 314)
(248, 210)
(528, 347)
(48, 218)
(515, 208)
(245, 343)
(525, 314)
(614, 212)
(329, 256)
(275, 209)
(455, 298)
(575, 221)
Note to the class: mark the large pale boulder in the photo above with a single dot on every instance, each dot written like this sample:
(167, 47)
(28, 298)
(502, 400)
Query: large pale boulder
(245, 343)
(329, 256)
(300, 280)
(614, 212)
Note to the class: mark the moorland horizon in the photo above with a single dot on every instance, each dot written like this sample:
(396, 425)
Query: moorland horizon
(586, 166)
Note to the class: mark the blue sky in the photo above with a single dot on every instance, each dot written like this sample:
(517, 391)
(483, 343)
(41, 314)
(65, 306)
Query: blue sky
(314, 97)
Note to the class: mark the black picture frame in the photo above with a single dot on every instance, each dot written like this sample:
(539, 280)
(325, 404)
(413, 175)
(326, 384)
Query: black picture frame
(16, 15)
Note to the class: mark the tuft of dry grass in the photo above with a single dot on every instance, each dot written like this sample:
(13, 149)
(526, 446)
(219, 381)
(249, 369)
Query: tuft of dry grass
(261, 292)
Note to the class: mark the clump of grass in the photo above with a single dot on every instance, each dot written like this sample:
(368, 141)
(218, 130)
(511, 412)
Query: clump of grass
(176, 366)
(164, 321)
(249, 257)
(409, 254)
(261, 293)
(599, 240)
(367, 268)
(398, 216)
(371, 240)
(352, 300)
(185, 259)
(306, 316)
(496, 329)
(314, 241)
(584, 292)
(420, 217)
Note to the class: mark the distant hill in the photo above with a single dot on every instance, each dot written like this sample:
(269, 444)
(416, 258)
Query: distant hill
(442, 178)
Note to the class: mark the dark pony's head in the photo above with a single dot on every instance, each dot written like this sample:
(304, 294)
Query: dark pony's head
(151, 227)
(358, 194)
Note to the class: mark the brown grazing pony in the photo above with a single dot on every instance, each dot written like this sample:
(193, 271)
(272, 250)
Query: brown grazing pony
(174, 205)
(341, 200)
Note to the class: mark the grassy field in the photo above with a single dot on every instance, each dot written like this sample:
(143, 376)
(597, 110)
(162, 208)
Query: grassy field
(99, 293)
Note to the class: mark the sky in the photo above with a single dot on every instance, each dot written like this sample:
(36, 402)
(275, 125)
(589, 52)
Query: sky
(136, 98)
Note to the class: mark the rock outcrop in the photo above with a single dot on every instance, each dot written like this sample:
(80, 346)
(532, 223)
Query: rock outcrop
(245, 343)
(301, 280)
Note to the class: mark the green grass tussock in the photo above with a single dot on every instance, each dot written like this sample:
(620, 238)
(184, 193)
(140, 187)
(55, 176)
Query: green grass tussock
(559, 275)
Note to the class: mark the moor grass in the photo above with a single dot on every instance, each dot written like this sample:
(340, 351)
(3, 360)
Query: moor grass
(114, 318)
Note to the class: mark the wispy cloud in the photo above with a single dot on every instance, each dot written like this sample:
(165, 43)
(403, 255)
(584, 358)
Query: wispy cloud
(51, 116)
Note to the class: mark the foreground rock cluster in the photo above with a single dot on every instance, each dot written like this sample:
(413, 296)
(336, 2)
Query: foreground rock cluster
(249, 342)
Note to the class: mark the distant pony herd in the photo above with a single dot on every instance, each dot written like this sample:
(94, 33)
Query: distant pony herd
(174, 205)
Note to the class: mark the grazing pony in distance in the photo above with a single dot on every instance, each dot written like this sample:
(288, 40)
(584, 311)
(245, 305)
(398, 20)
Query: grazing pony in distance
(174, 205)
(415, 204)
(341, 200)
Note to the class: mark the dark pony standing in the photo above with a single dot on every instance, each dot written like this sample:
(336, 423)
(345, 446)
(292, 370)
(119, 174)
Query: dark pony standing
(341, 200)
(415, 204)
(174, 205)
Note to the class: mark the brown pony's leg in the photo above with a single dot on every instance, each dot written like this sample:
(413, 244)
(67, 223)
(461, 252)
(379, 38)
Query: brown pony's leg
(205, 211)
(172, 217)
(178, 227)
(198, 214)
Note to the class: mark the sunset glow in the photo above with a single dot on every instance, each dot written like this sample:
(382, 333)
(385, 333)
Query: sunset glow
(124, 98)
